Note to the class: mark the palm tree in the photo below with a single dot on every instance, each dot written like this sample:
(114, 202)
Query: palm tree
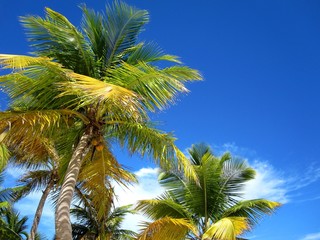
(12, 227)
(100, 220)
(97, 84)
(209, 209)
(88, 225)
(47, 179)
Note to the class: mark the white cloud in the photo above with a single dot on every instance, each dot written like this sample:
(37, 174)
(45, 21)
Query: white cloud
(268, 184)
(147, 188)
(312, 236)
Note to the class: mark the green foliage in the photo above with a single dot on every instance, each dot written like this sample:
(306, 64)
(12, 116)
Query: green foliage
(12, 226)
(213, 204)
(90, 225)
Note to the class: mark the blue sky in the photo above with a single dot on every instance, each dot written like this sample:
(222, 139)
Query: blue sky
(259, 98)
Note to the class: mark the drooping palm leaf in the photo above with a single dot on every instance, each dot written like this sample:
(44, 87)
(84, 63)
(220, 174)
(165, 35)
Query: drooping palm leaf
(170, 228)
(226, 229)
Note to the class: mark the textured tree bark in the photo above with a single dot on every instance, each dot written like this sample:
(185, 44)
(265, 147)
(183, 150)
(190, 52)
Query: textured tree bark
(62, 215)
(38, 213)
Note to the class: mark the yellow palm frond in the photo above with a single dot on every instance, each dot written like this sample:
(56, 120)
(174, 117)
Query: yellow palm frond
(9, 61)
(40, 120)
(167, 228)
(4, 155)
(96, 175)
(185, 165)
(26, 133)
(93, 91)
(226, 229)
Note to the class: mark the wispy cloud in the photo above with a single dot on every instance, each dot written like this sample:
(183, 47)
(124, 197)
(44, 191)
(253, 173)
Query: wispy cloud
(268, 184)
(271, 183)
(312, 236)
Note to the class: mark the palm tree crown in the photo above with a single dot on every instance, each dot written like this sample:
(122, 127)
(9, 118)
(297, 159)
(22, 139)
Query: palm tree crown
(86, 88)
(209, 209)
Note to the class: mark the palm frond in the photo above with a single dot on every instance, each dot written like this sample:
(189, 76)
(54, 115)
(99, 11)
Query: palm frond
(34, 181)
(56, 37)
(162, 207)
(4, 154)
(253, 210)
(148, 53)
(33, 85)
(123, 24)
(157, 87)
(226, 228)
(235, 173)
(92, 91)
(166, 228)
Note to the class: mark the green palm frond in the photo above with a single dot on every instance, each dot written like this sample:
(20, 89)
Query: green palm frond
(56, 37)
(148, 52)
(34, 181)
(253, 210)
(14, 223)
(162, 207)
(20, 62)
(123, 25)
(235, 174)
(146, 140)
(166, 228)
(157, 87)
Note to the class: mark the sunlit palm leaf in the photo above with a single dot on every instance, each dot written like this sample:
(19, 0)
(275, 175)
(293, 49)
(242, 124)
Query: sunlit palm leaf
(39, 121)
(4, 155)
(226, 229)
(33, 86)
(96, 174)
(92, 91)
(9, 61)
(166, 228)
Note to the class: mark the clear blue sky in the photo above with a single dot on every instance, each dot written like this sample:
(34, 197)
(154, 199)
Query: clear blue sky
(260, 98)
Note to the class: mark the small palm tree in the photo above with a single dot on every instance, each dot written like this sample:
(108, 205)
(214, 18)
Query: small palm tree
(45, 179)
(90, 224)
(12, 227)
(209, 209)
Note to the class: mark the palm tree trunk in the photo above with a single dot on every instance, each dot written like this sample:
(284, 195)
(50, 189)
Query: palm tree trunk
(62, 215)
(38, 214)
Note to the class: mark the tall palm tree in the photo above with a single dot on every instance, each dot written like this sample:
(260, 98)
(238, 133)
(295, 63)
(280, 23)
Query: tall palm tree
(209, 209)
(97, 84)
